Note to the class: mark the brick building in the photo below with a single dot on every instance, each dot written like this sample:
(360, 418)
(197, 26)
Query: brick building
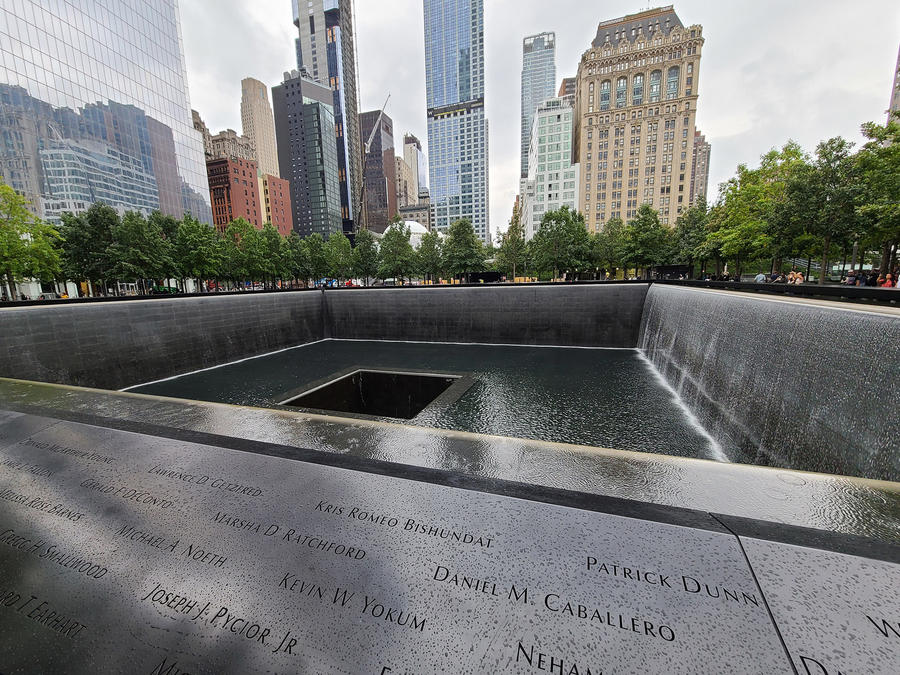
(234, 192)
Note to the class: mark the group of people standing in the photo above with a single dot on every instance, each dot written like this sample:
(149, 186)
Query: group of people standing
(873, 278)
(780, 278)
(853, 278)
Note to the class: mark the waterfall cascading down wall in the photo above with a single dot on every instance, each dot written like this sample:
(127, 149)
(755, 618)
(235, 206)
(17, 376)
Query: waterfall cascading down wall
(782, 382)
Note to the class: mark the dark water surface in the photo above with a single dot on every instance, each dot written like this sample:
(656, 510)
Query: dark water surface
(601, 397)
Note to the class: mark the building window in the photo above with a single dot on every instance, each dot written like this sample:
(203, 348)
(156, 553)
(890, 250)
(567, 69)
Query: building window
(672, 82)
(655, 83)
(621, 91)
(604, 95)
(637, 89)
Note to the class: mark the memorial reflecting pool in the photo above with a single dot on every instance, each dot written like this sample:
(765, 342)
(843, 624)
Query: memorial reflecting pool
(600, 397)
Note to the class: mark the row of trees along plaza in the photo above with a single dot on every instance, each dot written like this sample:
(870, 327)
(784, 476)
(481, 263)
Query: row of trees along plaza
(836, 204)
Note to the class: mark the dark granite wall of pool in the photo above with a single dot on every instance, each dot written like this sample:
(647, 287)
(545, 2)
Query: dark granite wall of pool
(562, 315)
(116, 344)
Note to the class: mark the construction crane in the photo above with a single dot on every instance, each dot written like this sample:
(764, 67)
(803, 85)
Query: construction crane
(366, 148)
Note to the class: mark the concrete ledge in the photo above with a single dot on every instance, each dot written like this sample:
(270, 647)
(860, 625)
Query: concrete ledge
(838, 504)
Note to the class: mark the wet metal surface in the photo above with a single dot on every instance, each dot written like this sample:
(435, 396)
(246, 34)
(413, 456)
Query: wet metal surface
(838, 613)
(835, 503)
(124, 552)
(597, 397)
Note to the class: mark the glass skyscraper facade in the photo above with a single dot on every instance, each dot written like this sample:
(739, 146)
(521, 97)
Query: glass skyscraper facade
(307, 153)
(457, 127)
(326, 51)
(538, 84)
(94, 107)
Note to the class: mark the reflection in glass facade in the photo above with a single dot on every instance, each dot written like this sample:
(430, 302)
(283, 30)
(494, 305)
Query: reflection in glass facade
(307, 153)
(457, 127)
(325, 49)
(538, 84)
(94, 107)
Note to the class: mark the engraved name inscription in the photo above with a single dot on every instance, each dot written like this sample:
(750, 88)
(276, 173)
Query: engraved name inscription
(679, 583)
(551, 663)
(369, 606)
(283, 533)
(191, 551)
(52, 553)
(25, 467)
(125, 492)
(41, 612)
(40, 504)
(205, 481)
(406, 524)
(66, 450)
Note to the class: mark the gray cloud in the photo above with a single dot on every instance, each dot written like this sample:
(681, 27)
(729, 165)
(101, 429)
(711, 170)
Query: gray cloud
(771, 69)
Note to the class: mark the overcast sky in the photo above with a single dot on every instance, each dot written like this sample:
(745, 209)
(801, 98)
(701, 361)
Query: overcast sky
(770, 70)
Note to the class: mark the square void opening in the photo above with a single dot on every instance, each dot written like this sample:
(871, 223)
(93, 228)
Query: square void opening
(377, 393)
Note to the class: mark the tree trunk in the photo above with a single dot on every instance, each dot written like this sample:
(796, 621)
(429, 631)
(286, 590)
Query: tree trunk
(808, 268)
(885, 258)
(11, 285)
(892, 267)
(855, 253)
(824, 269)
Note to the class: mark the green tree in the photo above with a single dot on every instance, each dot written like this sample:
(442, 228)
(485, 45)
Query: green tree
(606, 246)
(822, 197)
(511, 253)
(645, 242)
(28, 246)
(86, 240)
(315, 256)
(462, 250)
(339, 256)
(690, 234)
(272, 264)
(198, 251)
(879, 202)
(429, 258)
(139, 250)
(396, 258)
(561, 244)
(168, 226)
(365, 256)
(297, 258)
(244, 252)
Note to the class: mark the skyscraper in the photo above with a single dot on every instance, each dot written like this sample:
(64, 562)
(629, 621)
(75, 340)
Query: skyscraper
(407, 185)
(894, 106)
(259, 125)
(457, 127)
(380, 172)
(412, 153)
(538, 83)
(700, 167)
(326, 50)
(567, 88)
(233, 191)
(552, 180)
(307, 153)
(83, 119)
(635, 105)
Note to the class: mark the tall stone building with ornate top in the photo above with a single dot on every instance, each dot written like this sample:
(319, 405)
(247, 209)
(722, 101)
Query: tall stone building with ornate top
(635, 107)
